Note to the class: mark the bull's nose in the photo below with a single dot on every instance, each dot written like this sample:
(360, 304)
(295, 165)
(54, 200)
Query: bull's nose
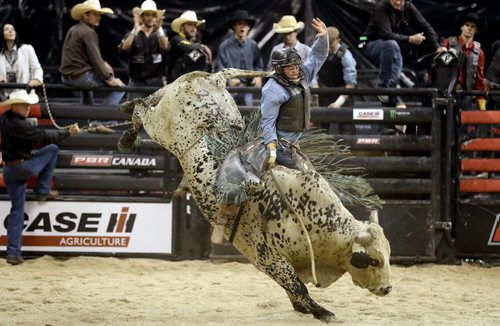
(386, 290)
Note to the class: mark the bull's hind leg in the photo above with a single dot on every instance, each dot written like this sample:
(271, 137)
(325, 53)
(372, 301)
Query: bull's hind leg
(280, 270)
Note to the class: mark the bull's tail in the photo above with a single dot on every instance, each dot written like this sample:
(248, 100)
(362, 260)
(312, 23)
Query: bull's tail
(230, 73)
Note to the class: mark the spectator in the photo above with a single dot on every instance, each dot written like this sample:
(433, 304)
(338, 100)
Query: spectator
(18, 62)
(290, 28)
(395, 30)
(18, 137)
(186, 53)
(471, 73)
(145, 44)
(82, 65)
(241, 52)
(339, 70)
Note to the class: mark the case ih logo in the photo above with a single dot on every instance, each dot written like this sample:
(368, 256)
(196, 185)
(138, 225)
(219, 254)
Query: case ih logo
(91, 160)
(495, 233)
(119, 224)
(368, 114)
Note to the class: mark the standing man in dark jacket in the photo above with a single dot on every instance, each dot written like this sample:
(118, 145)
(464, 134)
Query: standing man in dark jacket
(186, 53)
(82, 65)
(396, 26)
(145, 45)
(18, 137)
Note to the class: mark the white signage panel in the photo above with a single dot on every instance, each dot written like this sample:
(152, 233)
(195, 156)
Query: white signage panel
(102, 227)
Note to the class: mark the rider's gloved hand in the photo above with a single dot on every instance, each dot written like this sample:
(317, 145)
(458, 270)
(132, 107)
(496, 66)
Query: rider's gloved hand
(271, 147)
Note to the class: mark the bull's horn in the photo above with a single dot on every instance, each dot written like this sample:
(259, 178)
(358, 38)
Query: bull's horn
(373, 217)
(364, 238)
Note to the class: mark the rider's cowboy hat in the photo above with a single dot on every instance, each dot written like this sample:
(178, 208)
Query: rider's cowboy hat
(471, 17)
(90, 5)
(186, 17)
(21, 96)
(148, 5)
(288, 24)
(241, 15)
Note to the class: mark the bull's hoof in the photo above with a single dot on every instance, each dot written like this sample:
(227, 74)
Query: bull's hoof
(324, 315)
(301, 308)
(125, 143)
(127, 107)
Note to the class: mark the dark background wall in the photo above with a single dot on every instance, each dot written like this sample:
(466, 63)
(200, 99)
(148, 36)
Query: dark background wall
(43, 23)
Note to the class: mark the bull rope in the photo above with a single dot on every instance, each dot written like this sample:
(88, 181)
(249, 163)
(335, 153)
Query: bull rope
(68, 126)
(308, 238)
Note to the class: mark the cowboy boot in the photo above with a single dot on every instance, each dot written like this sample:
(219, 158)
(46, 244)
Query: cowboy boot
(226, 212)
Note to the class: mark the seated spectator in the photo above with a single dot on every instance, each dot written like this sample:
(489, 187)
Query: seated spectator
(144, 45)
(395, 30)
(18, 62)
(339, 70)
(186, 53)
(241, 52)
(82, 65)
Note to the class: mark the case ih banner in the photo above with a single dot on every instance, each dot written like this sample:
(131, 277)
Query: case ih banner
(94, 227)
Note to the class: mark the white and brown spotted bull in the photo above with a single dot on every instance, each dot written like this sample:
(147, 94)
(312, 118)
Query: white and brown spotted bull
(184, 117)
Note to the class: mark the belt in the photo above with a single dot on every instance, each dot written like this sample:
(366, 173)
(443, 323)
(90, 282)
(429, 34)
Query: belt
(74, 76)
(13, 163)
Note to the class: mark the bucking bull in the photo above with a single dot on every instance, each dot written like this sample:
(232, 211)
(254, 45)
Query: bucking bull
(183, 117)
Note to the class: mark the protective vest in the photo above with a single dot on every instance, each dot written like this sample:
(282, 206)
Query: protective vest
(331, 73)
(295, 113)
(471, 61)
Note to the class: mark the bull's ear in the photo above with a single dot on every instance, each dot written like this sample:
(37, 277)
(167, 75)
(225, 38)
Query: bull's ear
(360, 260)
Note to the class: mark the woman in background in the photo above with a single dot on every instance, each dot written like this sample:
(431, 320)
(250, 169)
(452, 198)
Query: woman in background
(18, 62)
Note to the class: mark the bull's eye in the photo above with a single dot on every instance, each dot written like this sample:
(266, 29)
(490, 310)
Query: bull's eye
(374, 262)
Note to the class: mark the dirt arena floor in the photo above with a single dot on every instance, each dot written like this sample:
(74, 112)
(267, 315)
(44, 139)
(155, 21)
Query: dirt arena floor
(112, 291)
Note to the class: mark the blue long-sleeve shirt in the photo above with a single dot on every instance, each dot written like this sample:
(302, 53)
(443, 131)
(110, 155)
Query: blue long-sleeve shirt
(274, 95)
(242, 55)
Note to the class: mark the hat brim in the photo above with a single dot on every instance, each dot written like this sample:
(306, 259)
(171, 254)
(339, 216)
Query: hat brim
(479, 23)
(177, 23)
(297, 28)
(138, 12)
(251, 22)
(78, 10)
(29, 100)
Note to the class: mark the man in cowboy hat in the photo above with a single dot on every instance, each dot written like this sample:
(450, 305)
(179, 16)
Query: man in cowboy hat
(241, 52)
(145, 44)
(18, 137)
(290, 28)
(471, 74)
(82, 65)
(186, 54)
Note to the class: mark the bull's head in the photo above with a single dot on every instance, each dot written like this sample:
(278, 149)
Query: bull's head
(369, 263)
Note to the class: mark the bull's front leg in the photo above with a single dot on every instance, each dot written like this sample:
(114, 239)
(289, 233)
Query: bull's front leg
(280, 270)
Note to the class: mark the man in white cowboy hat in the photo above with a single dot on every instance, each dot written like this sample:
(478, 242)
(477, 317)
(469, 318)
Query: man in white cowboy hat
(290, 28)
(241, 52)
(145, 45)
(82, 65)
(186, 54)
(18, 137)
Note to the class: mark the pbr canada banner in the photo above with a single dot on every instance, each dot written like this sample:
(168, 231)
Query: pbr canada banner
(94, 227)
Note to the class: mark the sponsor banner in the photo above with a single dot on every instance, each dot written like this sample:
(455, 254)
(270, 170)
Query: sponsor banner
(368, 141)
(368, 114)
(94, 227)
(495, 233)
(83, 160)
